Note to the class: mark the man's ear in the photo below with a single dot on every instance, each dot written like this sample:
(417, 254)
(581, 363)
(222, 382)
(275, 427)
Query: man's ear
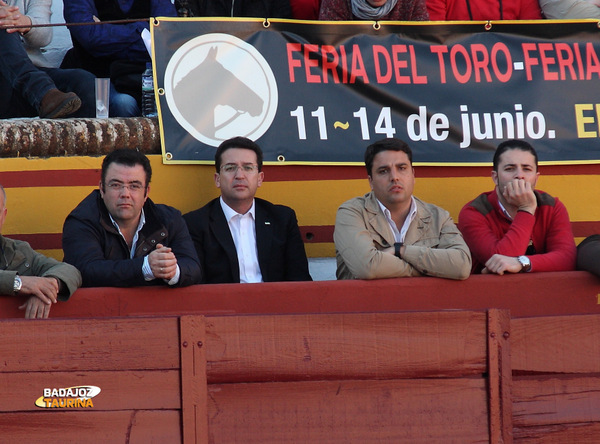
(261, 177)
(101, 188)
(537, 176)
(217, 180)
(495, 177)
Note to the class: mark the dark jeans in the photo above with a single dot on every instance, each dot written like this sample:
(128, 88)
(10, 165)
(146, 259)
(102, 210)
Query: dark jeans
(23, 85)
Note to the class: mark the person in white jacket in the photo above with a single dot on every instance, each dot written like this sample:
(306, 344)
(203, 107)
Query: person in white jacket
(570, 9)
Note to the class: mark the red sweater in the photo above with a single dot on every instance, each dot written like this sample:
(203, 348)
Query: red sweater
(484, 9)
(487, 231)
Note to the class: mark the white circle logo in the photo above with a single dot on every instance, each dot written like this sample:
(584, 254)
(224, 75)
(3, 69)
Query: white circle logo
(218, 86)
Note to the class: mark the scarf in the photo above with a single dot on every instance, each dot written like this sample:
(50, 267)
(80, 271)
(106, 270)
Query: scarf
(363, 10)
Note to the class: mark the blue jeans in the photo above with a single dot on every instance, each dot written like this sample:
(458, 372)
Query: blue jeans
(23, 85)
(122, 105)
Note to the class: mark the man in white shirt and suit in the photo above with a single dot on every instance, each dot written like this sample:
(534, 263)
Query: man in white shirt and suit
(240, 238)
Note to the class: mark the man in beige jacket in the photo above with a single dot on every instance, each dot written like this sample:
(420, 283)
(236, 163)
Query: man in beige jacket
(389, 233)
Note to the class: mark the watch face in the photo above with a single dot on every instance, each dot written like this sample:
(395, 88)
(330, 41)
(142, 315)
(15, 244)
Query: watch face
(17, 284)
(525, 263)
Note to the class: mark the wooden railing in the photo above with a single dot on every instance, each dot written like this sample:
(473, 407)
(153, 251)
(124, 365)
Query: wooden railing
(534, 294)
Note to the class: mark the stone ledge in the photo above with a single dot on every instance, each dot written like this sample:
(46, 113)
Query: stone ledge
(77, 137)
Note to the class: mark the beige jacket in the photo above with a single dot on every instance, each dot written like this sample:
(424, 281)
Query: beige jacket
(434, 246)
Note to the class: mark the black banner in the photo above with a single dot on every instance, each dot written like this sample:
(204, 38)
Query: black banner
(311, 92)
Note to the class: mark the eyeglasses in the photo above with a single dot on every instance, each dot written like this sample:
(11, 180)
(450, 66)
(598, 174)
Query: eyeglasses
(232, 168)
(118, 187)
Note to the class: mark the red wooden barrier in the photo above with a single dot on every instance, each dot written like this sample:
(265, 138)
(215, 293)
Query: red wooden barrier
(390, 377)
(556, 379)
(534, 294)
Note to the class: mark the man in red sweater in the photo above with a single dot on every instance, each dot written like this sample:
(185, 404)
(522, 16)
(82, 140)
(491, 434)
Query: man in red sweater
(515, 228)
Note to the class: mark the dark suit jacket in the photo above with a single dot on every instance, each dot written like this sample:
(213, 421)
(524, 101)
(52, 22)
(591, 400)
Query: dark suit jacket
(281, 254)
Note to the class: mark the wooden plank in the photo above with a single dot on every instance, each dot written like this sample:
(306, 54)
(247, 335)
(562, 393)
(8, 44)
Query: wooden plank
(560, 344)
(345, 346)
(89, 344)
(546, 295)
(549, 400)
(127, 426)
(122, 390)
(193, 379)
(396, 411)
(499, 372)
(558, 434)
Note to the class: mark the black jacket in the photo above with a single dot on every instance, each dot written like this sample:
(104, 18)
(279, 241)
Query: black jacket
(93, 245)
(281, 254)
(241, 8)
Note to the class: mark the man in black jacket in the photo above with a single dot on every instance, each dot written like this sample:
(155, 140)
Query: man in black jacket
(118, 237)
(240, 238)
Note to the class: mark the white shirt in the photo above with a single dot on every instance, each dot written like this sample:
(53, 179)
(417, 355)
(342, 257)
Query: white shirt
(504, 210)
(412, 213)
(148, 275)
(243, 231)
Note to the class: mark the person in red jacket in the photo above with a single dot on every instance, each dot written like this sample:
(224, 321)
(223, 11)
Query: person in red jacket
(516, 228)
(484, 9)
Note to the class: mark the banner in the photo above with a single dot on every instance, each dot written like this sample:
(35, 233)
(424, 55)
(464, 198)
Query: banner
(320, 92)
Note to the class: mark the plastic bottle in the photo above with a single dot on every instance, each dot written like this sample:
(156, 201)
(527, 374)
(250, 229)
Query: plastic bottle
(148, 103)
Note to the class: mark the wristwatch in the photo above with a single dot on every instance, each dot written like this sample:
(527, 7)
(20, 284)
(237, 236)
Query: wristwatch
(525, 263)
(17, 284)
(397, 247)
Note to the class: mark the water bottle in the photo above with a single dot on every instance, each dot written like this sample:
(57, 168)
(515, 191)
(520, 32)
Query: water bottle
(148, 103)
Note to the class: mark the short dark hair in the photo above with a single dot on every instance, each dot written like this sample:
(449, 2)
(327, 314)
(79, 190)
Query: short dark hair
(513, 144)
(127, 157)
(389, 144)
(238, 142)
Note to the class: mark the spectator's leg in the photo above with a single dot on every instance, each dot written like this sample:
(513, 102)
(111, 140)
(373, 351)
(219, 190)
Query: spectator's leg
(22, 85)
(588, 254)
(80, 82)
(122, 105)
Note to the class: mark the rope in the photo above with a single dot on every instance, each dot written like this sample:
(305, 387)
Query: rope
(107, 22)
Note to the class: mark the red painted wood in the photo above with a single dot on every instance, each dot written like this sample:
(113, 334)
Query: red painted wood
(345, 346)
(70, 345)
(432, 411)
(584, 433)
(126, 426)
(546, 400)
(558, 344)
(532, 294)
(194, 395)
(120, 390)
(499, 371)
